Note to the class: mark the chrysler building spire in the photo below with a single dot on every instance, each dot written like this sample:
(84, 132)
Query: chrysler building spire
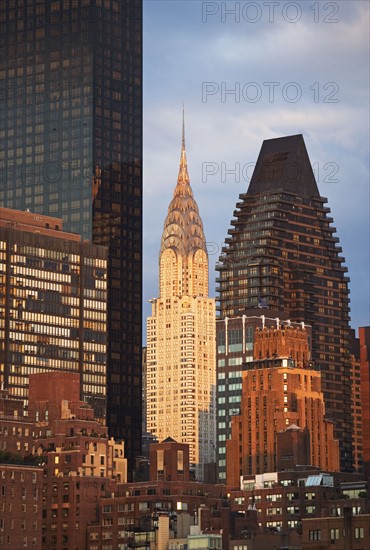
(183, 228)
(183, 180)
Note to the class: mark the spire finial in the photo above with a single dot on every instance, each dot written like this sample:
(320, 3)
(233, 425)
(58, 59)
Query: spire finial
(183, 172)
(183, 126)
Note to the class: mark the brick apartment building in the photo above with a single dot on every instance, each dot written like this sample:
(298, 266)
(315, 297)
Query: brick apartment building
(347, 532)
(281, 392)
(136, 508)
(21, 503)
(16, 430)
(267, 510)
(76, 495)
(78, 464)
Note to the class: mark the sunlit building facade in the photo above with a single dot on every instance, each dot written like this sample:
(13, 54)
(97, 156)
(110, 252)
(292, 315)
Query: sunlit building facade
(235, 339)
(181, 333)
(53, 305)
(281, 389)
(282, 250)
(364, 336)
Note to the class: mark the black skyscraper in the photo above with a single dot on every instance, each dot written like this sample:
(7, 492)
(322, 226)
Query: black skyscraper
(71, 146)
(281, 252)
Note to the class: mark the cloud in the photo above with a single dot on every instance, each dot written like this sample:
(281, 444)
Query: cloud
(181, 52)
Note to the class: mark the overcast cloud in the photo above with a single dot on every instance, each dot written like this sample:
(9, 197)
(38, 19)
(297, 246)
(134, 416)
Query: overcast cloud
(301, 67)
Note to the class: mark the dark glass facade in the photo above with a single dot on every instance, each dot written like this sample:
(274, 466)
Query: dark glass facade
(71, 147)
(281, 252)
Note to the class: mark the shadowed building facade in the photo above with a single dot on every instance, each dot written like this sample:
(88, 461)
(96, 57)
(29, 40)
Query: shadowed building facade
(71, 147)
(281, 250)
(181, 332)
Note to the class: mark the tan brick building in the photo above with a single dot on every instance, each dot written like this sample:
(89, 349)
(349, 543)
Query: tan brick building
(280, 389)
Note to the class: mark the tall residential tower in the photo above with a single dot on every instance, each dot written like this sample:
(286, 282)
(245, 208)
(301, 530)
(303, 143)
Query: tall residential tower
(71, 147)
(181, 332)
(281, 252)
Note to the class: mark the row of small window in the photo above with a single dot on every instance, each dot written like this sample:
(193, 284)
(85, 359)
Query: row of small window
(230, 387)
(233, 374)
(232, 348)
(12, 524)
(8, 507)
(18, 475)
(315, 534)
(44, 329)
(14, 430)
(26, 540)
(13, 490)
(235, 361)
(48, 272)
(18, 445)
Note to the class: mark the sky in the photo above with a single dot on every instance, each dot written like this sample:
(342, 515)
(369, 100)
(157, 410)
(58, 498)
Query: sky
(249, 71)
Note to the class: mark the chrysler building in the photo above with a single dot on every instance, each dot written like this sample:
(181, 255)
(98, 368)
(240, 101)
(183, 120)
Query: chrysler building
(181, 332)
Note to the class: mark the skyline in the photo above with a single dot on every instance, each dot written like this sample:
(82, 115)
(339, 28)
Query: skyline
(225, 131)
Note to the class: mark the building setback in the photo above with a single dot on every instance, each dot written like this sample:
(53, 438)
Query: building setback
(71, 147)
(281, 252)
(53, 303)
(181, 333)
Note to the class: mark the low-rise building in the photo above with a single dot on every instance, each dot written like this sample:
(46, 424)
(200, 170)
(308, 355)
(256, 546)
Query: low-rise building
(16, 430)
(344, 532)
(74, 465)
(21, 500)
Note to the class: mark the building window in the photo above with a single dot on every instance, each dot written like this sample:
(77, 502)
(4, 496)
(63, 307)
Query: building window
(160, 461)
(235, 340)
(314, 534)
(359, 533)
(180, 461)
(334, 534)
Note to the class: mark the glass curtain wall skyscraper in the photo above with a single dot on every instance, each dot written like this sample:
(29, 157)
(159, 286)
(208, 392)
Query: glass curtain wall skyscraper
(281, 252)
(71, 147)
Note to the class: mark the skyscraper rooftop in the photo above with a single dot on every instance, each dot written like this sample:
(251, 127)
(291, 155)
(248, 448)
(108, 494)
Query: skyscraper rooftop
(283, 165)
